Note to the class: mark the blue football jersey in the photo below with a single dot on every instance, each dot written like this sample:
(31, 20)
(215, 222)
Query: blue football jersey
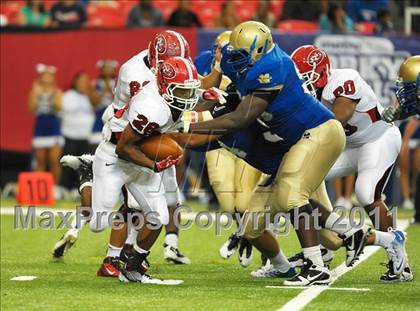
(293, 110)
(255, 145)
(203, 62)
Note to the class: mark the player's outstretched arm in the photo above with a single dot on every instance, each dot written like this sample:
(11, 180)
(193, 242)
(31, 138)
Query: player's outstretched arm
(251, 107)
(127, 148)
(187, 140)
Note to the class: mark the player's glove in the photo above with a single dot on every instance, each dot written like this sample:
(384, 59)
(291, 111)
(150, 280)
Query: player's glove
(390, 114)
(166, 163)
(214, 94)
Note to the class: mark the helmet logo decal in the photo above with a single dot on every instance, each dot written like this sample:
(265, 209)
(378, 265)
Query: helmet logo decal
(168, 71)
(161, 44)
(315, 57)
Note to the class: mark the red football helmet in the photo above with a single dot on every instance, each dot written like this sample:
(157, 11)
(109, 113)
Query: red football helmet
(314, 66)
(178, 83)
(165, 44)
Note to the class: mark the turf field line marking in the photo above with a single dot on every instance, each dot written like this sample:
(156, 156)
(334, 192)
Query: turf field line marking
(24, 278)
(327, 288)
(309, 294)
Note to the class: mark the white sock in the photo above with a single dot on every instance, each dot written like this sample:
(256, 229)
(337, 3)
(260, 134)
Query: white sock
(341, 226)
(132, 236)
(113, 251)
(314, 254)
(140, 250)
(171, 239)
(383, 238)
(280, 262)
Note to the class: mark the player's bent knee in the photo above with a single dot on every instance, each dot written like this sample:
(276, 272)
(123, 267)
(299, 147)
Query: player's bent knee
(298, 212)
(364, 197)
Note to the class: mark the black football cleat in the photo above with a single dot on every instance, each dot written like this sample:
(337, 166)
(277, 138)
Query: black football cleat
(310, 274)
(131, 270)
(355, 244)
(128, 251)
(245, 253)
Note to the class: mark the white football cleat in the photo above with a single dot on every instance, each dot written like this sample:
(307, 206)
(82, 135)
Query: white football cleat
(65, 243)
(268, 271)
(74, 162)
(173, 254)
(229, 247)
(128, 276)
(396, 251)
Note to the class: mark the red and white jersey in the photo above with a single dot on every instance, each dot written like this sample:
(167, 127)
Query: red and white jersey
(146, 111)
(132, 71)
(365, 125)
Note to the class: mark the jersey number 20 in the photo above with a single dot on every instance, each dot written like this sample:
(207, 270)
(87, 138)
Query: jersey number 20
(348, 88)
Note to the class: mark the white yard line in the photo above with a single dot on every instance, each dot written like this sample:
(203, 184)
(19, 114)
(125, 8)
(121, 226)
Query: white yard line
(327, 288)
(310, 293)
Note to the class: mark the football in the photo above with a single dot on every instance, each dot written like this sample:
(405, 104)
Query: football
(159, 147)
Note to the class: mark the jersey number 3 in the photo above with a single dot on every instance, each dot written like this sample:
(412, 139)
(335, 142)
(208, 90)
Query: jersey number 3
(348, 88)
(143, 125)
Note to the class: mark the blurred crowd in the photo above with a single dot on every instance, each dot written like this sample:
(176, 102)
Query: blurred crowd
(330, 16)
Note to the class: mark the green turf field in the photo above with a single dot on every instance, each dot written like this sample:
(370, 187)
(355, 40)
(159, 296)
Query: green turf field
(210, 283)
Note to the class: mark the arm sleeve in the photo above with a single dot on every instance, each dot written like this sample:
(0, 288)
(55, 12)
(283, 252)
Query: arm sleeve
(122, 88)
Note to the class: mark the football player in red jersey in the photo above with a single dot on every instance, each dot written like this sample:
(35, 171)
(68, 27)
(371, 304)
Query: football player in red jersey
(372, 146)
(132, 76)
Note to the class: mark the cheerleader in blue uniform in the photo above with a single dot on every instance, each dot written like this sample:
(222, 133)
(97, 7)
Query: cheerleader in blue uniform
(45, 101)
(102, 98)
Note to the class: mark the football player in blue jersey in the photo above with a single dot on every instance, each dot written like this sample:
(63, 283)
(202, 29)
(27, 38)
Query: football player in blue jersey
(265, 155)
(273, 93)
(206, 59)
(408, 92)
